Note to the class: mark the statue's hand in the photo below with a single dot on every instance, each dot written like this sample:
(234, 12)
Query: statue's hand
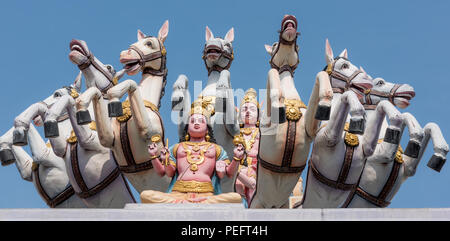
(164, 153)
(153, 149)
(221, 166)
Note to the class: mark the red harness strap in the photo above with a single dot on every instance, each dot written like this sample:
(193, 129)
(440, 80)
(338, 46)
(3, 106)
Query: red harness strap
(58, 199)
(380, 200)
(85, 191)
(287, 156)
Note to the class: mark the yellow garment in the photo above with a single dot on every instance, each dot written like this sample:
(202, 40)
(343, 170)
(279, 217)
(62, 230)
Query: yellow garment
(150, 196)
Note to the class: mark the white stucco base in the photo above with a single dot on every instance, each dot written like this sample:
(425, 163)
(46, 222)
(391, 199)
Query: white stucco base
(222, 212)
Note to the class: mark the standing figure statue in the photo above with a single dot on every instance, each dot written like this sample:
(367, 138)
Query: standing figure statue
(195, 165)
(249, 121)
(217, 96)
(287, 127)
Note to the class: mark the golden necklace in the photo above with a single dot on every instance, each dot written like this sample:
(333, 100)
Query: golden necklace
(195, 161)
(247, 131)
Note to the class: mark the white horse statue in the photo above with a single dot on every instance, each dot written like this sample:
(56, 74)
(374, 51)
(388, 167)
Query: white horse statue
(94, 174)
(383, 173)
(288, 127)
(45, 169)
(138, 119)
(340, 152)
(217, 96)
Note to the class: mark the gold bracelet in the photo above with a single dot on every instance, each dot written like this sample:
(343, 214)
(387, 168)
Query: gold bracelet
(237, 159)
(154, 157)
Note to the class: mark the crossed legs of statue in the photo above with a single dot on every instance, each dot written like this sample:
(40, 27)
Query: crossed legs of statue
(151, 196)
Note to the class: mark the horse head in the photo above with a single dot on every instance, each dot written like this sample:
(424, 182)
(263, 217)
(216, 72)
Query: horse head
(148, 53)
(72, 90)
(344, 75)
(285, 52)
(38, 111)
(218, 52)
(100, 75)
(398, 94)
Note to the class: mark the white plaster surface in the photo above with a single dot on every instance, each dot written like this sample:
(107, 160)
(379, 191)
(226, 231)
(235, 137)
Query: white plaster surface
(222, 212)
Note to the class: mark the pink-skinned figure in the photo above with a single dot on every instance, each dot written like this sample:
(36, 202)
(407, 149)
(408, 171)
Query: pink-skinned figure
(249, 120)
(195, 165)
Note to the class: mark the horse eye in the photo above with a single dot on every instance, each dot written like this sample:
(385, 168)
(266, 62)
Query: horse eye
(380, 82)
(109, 67)
(345, 66)
(149, 44)
(57, 94)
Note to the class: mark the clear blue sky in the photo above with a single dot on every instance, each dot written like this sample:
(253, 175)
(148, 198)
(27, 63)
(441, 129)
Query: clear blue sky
(401, 41)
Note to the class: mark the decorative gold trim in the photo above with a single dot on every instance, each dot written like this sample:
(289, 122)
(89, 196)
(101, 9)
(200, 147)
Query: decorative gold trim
(193, 186)
(238, 139)
(175, 149)
(74, 93)
(218, 151)
(250, 97)
(329, 69)
(156, 138)
(293, 106)
(351, 139)
(34, 166)
(126, 109)
(198, 160)
(48, 144)
(398, 155)
(73, 138)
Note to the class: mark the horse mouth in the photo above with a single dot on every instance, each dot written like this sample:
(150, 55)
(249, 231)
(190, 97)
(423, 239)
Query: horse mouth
(77, 46)
(408, 95)
(404, 98)
(213, 52)
(130, 65)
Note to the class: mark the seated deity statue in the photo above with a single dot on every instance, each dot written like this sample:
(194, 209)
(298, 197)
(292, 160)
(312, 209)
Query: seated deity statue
(195, 165)
(249, 119)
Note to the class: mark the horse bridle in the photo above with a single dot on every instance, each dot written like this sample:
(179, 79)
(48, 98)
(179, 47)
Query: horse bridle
(348, 80)
(223, 53)
(370, 106)
(91, 61)
(162, 71)
(144, 58)
(285, 67)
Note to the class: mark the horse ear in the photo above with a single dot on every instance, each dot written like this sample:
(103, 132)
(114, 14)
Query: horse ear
(329, 57)
(344, 54)
(164, 31)
(364, 72)
(140, 35)
(269, 49)
(77, 82)
(208, 34)
(230, 35)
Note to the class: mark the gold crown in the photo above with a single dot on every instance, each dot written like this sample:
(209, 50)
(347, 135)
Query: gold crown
(200, 107)
(250, 97)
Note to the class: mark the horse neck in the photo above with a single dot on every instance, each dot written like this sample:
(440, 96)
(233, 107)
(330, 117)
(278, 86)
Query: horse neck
(336, 98)
(65, 126)
(94, 78)
(210, 88)
(287, 86)
(150, 88)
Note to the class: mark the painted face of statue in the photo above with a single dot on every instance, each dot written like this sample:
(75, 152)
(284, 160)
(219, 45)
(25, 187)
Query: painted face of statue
(249, 113)
(197, 126)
